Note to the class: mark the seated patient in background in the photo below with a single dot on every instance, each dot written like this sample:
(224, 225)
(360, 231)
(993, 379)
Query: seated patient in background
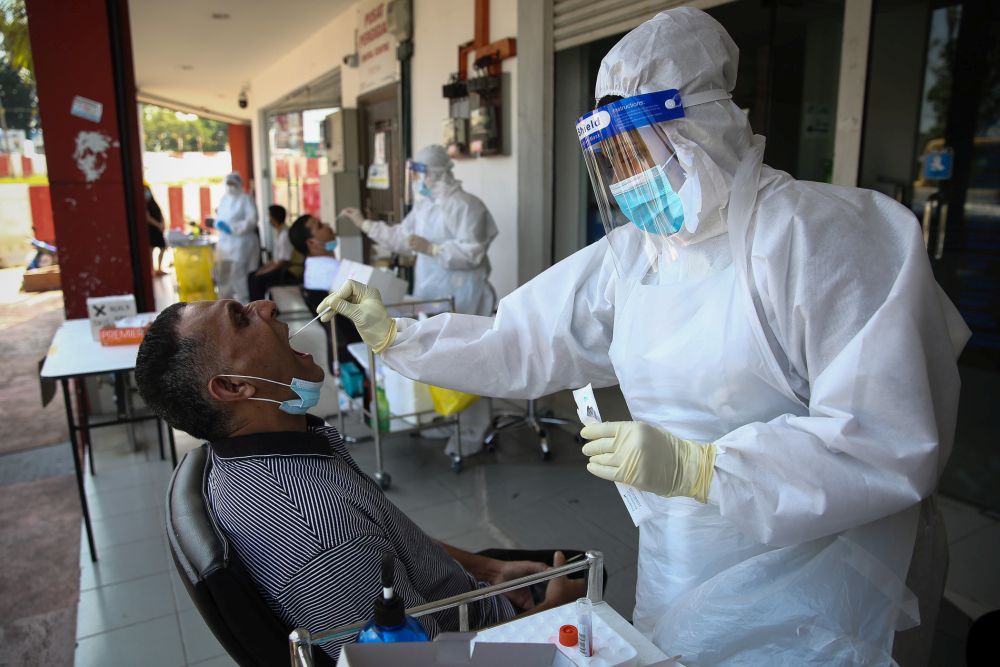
(303, 518)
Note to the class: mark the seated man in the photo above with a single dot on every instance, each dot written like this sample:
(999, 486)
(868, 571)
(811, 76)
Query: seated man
(317, 241)
(307, 523)
(280, 270)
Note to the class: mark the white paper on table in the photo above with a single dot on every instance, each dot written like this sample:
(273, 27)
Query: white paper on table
(586, 410)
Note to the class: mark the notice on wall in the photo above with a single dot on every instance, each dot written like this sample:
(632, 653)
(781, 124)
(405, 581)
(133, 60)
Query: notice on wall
(87, 109)
(378, 177)
(377, 62)
(379, 148)
(817, 119)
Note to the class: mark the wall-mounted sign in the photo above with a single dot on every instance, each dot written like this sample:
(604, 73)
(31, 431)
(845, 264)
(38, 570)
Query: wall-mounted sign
(378, 177)
(377, 62)
(937, 165)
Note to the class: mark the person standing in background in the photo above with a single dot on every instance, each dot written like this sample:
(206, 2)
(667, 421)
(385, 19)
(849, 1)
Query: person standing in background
(238, 252)
(154, 218)
(450, 231)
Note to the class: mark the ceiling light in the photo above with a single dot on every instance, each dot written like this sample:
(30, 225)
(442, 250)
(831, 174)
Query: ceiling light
(220, 16)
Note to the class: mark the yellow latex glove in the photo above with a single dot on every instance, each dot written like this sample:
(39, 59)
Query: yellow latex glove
(419, 244)
(356, 218)
(362, 305)
(649, 458)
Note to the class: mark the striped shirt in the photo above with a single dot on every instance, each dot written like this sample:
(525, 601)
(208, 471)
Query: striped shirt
(311, 528)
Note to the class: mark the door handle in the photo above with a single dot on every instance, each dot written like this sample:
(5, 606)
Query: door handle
(942, 228)
(929, 207)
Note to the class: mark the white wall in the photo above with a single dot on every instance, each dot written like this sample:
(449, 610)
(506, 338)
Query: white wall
(314, 57)
(439, 27)
(15, 224)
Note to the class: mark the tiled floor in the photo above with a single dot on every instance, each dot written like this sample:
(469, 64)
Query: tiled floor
(134, 610)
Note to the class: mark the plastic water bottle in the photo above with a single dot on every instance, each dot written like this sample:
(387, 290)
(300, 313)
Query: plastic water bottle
(391, 624)
(381, 405)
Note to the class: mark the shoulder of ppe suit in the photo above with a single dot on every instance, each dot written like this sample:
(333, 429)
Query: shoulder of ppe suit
(461, 201)
(825, 225)
(826, 258)
(470, 209)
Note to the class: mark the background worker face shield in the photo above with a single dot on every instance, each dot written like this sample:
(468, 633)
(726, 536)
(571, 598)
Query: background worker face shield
(648, 201)
(417, 181)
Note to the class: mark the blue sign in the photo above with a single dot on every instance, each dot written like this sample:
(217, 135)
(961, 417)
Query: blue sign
(938, 164)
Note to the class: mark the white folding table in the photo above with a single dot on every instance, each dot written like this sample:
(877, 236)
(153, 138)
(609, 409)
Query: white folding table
(75, 355)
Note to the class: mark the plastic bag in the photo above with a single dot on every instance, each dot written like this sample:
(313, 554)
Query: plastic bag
(448, 401)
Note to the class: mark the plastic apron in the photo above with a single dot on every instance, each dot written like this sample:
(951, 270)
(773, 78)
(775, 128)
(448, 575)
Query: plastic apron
(433, 280)
(705, 590)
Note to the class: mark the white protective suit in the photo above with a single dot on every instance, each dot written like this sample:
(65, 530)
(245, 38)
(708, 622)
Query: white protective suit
(462, 228)
(801, 331)
(238, 253)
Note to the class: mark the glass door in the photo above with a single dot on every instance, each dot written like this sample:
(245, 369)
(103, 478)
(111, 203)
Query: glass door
(956, 197)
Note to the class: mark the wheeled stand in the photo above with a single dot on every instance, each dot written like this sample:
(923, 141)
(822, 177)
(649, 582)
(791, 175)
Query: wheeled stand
(531, 419)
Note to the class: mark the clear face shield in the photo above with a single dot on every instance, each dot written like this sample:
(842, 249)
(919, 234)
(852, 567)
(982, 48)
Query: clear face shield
(648, 201)
(417, 185)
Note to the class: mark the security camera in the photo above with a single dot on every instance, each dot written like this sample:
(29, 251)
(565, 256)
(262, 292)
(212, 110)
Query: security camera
(242, 100)
(351, 60)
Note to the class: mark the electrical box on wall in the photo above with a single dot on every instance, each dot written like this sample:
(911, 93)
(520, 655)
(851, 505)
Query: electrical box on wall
(340, 137)
(454, 136)
(476, 119)
(340, 187)
(485, 111)
(475, 123)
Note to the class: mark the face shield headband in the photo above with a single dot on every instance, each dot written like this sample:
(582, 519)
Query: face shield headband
(645, 195)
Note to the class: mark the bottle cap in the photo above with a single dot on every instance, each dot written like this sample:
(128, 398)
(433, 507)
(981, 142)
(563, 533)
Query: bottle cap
(568, 635)
(389, 609)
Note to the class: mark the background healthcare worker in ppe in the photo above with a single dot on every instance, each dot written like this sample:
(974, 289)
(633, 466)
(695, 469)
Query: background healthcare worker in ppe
(238, 252)
(450, 231)
(784, 350)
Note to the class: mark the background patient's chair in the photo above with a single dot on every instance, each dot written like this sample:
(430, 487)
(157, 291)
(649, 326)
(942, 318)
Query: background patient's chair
(215, 579)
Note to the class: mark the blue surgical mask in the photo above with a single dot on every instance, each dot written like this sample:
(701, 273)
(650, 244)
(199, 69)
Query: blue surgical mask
(650, 202)
(423, 189)
(308, 394)
(330, 246)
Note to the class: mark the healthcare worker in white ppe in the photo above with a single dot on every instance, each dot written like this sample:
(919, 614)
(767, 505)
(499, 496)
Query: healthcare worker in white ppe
(238, 251)
(450, 231)
(784, 350)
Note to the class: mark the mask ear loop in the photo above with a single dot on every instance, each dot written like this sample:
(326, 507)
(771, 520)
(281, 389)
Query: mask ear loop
(254, 377)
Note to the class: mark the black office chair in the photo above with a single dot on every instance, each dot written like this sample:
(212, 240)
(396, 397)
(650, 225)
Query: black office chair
(214, 577)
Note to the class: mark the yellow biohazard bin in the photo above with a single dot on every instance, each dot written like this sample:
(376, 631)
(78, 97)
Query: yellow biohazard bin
(193, 263)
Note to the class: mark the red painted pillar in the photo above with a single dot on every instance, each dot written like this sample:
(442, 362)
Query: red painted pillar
(205, 200)
(175, 200)
(241, 152)
(86, 92)
(41, 213)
